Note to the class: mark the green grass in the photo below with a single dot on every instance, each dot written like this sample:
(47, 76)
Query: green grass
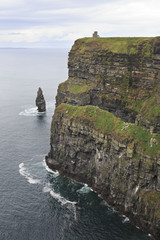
(135, 105)
(63, 87)
(150, 108)
(127, 45)
(105, 122)
(74, 88)
(77, 89)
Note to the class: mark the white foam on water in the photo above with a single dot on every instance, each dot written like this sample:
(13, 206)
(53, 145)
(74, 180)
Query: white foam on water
(32, 111)
(55, 173)
(84, 189)
(33, 181)
(149, 235)
(104, 203)
(64, 201)
(57, 196)
(23, 171)
(47, 188)
(61, 199)
(126, 220)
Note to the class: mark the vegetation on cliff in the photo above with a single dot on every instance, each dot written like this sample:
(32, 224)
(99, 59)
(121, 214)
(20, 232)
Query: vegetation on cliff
(123, 71)
(106, 127)
(128, 45)
(74, 88)
(106, 123)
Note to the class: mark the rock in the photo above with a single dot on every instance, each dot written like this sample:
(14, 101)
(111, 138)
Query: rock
(40, 101)
(153, 141)
(130, 152)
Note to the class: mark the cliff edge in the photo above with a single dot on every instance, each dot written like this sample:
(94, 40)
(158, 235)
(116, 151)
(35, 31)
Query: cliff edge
(106, 130)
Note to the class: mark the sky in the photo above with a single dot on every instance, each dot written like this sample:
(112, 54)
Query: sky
(58, 23)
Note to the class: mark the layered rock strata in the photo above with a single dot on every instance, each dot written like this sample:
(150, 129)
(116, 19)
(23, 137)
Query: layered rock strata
(120, 75)
(105, 129)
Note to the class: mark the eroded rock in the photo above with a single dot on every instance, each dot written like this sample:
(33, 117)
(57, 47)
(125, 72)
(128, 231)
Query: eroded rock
(40, 101)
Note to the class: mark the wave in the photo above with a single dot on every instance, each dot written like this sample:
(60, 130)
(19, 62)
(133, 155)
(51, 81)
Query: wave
(84, 189)
(62, 200)
(31, 111)
(47, 188)
(28, 171)
(126, 220)
(55, 173)
(57, 196)
(23, 171)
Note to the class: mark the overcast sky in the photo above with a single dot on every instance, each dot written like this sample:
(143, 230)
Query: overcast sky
(58, 23)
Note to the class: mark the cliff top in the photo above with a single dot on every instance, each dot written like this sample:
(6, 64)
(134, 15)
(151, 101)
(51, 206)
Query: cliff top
(126, 45)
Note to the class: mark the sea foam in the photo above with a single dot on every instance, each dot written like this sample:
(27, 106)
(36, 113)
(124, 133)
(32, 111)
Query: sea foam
(84, 189)
(46, 187)
(57, 196)
(55, 173)
(31, 111)
(126, 220)
(23, 171)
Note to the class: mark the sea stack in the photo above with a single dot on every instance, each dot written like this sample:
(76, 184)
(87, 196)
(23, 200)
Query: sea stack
(40, 101)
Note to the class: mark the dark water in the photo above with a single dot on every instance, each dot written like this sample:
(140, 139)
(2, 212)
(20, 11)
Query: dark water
(36, 204)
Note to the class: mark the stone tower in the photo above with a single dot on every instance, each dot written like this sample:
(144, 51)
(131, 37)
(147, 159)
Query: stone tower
(95, 35)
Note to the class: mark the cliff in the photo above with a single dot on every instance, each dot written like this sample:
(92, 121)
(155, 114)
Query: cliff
(105, 129)
(120, 75)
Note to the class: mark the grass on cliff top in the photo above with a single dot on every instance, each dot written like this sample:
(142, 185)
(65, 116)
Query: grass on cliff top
(127, 45)
(105, 122)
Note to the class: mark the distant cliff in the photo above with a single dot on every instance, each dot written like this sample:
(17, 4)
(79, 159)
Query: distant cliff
(106, 127)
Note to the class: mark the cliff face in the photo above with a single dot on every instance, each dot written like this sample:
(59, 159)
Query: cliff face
(118, 75)
(113, 144)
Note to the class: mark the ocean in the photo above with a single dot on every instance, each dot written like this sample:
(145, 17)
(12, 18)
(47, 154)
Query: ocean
(36, 203)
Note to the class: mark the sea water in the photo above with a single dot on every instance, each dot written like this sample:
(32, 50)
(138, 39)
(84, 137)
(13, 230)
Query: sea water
(35, 202)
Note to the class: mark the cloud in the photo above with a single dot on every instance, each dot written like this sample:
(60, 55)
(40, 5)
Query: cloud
(47, 21)
(14, 33)
(11, 3)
